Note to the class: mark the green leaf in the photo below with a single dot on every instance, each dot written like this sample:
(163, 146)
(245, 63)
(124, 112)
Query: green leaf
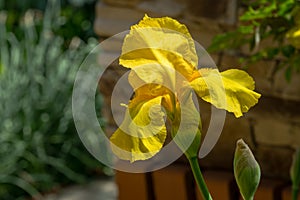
(288, 50)
(21, 184)
(288, 73)
(229, 40)
(259, 13)
(285, 7)
(1, 68)
(264, 21)
(295, 173)
(246, 29)
(295, 169)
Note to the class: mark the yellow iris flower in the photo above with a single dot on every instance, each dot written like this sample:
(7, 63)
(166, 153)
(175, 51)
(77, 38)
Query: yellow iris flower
(293, 36)
(162, 57)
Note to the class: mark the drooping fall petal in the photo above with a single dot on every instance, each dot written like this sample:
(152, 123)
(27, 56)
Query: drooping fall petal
(231, 90)
(142, 133)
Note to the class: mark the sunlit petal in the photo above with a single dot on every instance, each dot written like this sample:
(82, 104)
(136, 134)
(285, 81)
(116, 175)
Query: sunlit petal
(293, 36)
(162, 41)
(231, 90)
(142, 133)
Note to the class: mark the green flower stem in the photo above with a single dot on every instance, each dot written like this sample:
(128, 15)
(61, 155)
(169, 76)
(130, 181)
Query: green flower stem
(295, 191)
(199, 178)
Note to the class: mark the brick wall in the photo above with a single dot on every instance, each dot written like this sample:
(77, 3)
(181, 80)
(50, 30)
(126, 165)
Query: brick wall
(271, 128)
(176, 182)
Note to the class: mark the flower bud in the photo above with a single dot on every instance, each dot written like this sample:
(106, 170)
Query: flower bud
(246, 170)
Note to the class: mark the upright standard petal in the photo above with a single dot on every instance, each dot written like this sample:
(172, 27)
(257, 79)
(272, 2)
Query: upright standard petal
(231, 90)
(142, 133)
(163, 41)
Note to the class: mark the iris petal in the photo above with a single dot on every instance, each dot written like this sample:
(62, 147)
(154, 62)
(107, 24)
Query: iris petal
(162, 41)
(142, 133)
(231, 90)
(293, 36)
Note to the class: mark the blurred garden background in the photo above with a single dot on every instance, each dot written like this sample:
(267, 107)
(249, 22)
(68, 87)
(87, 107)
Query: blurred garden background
(42, 44)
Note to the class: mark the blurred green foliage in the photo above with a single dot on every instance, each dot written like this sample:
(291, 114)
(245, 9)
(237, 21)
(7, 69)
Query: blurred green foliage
(295, 174)
(39, 145)
(76, 17)
(275, 20)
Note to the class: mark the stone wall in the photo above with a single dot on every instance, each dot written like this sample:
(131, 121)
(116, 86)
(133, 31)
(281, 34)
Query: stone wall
(271, 128)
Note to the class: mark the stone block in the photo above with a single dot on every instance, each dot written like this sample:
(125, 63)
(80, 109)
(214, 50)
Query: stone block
(173, 182)
(220, 185)
(112, 45)
(107, 84)
(106, 58)
(275, 122)
(276, 130)
(262, 72)
(268, 189)
(112, 20)
(110, 77)
(137, 186)
(203, 31)
(277, 108)
(224, 11)
(204, 8)
(274, 161)
(222, 154)
(285, 89)
(287, 193)
(161, 8)
(215, 57)
(125, 3)
(228, 61)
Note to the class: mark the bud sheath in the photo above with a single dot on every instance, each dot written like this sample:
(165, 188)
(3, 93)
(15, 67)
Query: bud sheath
(246, 170)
